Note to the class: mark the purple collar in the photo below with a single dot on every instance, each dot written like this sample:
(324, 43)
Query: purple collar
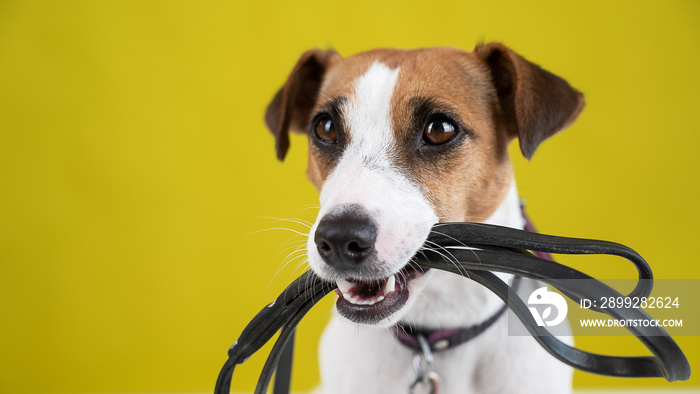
(439, 340)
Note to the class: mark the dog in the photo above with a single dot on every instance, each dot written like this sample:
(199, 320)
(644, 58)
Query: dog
(399, 141)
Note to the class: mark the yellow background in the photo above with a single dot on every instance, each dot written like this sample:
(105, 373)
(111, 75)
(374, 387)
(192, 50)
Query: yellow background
(136, 173)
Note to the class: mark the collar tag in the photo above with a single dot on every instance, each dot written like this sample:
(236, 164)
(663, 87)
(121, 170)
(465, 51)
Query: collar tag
(426, 377)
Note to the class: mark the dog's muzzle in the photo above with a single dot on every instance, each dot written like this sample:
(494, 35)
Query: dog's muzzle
(368, 291)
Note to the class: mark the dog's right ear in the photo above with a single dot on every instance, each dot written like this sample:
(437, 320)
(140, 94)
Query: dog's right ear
(536, 103)
(292, 105)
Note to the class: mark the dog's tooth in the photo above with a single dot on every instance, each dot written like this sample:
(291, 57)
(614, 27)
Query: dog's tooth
(344, 286)
(381, 298)
(347, 297)
(390, 285)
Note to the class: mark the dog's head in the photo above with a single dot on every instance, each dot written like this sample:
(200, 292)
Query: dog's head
(400, 140)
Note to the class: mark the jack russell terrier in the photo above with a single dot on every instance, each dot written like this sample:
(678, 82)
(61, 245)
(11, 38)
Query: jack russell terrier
(400, 140)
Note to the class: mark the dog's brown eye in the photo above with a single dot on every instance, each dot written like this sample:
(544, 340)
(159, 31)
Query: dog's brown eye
(438, 132)
(325, 130)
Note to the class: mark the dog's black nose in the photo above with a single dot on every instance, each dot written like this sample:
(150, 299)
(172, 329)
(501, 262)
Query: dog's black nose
(345, 237)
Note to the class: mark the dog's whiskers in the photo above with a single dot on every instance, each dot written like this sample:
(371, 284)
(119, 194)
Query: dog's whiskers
(462, 247)
(302, 222)
(294, 250)
(289, 259)
(280, 228)
(460, 218)
(450, 237)
(296, 244)
(448, 256)
(308, 207)
(295, 256)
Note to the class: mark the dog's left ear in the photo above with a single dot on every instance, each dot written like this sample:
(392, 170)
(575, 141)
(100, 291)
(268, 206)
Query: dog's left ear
(536, 103)
(292, 105)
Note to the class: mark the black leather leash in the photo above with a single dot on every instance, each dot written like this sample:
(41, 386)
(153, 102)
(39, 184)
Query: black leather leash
(499, 249)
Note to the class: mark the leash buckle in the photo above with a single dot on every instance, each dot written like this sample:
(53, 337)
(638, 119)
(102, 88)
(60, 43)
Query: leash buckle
(426, 377)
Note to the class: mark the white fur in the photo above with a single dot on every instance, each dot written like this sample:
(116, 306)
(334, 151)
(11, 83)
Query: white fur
(365, 176)
(368, 359)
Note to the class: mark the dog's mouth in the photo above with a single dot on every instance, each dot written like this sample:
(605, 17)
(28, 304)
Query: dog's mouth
(372, 301)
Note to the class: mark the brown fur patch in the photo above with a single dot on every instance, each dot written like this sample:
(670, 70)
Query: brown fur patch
(468, 181)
